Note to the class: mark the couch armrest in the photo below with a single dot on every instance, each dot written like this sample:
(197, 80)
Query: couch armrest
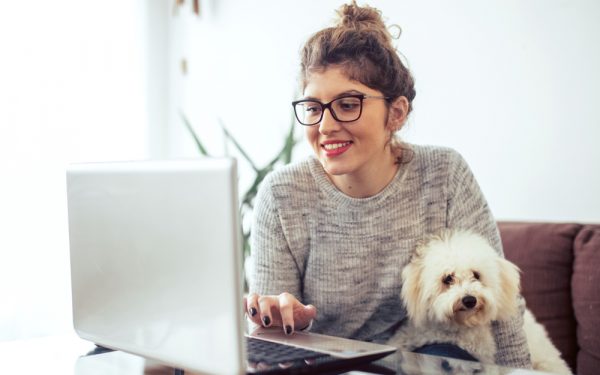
(544, 253)
(586, 298)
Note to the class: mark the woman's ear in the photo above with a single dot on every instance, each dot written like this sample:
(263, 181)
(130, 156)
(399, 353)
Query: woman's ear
(398, 112)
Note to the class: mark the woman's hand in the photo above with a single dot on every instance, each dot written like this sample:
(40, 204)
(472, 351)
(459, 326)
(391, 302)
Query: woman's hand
(283, 311)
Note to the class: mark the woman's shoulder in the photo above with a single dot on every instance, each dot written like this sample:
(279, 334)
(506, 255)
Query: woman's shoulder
(435, 165)
(291, 178)
(429, 152)
(288, 186)
(292, 173)
(433, 159)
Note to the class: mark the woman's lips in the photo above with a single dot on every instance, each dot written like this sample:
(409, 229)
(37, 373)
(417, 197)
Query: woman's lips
(335, 148)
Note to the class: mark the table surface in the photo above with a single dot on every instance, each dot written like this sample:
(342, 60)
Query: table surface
(69, 355)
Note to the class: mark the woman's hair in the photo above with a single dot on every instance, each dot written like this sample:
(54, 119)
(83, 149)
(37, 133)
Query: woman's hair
(361, 44)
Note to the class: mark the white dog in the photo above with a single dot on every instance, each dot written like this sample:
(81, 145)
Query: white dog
(454, 287)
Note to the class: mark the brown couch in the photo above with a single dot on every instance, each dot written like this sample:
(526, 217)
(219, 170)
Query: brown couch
(560, 264)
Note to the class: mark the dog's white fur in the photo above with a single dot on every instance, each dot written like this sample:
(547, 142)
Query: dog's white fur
(457, 264)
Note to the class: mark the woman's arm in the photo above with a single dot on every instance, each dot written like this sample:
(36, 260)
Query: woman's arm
(468, 209)
(274, 268)
(275, 285)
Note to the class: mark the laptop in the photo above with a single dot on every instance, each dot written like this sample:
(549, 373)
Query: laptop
(156, 270)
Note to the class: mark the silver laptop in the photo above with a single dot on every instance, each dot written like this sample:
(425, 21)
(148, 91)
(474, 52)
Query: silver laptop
(156, 268)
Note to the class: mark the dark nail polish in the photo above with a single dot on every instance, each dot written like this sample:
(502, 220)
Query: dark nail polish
(288, 330)
(266, 320)
(252, 311)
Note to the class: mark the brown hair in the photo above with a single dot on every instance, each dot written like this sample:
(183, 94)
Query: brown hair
(361, 44)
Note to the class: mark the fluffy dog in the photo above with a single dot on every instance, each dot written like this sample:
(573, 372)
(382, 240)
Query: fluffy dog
(454, 287)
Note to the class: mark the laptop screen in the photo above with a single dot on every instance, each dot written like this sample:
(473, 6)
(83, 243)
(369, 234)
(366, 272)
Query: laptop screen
(156, 260)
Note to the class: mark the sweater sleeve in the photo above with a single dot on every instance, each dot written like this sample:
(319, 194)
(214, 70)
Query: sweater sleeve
(468, 209)
(274, 269)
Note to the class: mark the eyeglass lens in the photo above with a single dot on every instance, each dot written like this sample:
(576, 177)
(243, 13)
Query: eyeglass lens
(343, 109)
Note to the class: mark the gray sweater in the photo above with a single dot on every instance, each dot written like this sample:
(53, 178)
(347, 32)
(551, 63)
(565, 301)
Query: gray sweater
(345, 255)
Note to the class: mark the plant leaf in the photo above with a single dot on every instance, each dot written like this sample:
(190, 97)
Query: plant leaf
(253, 190)
(201, 148)
(290, 142)
(285, 154)
(238, 146)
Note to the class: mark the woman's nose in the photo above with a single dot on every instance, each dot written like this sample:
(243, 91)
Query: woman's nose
(328, 124)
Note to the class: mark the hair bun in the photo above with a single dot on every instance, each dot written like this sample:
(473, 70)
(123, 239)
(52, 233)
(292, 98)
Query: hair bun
(365, 18)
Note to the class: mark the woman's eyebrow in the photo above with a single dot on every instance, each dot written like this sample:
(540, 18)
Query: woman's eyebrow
(310, 98)
(344, 93)
(349, 92)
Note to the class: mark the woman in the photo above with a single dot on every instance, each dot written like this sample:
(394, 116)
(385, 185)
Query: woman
(335, 231)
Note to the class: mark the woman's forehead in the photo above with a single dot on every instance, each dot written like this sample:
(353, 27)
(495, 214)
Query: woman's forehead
(332, 81)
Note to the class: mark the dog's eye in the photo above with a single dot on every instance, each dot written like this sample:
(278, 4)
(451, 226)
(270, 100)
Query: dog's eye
(476, 275)
(448, 280)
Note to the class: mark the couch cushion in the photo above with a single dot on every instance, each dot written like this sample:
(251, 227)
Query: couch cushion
(544, 252)
(586, 298)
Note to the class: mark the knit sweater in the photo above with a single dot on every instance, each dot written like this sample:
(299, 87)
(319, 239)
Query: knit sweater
(345, 255)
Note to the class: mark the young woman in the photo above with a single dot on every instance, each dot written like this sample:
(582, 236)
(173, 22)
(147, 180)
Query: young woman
(334, 231)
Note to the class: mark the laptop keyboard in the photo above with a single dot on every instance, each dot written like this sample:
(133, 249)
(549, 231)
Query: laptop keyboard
(272, 353)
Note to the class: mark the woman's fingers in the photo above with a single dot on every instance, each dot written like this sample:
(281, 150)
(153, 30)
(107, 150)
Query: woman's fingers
(265, 303)
(283, 311)
(304, 314)
(252, 308)
(286, 310)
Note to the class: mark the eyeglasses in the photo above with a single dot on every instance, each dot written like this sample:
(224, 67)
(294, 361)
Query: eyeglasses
(347, 108)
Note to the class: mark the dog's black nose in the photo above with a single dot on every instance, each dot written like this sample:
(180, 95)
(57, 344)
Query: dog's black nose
(469, 302)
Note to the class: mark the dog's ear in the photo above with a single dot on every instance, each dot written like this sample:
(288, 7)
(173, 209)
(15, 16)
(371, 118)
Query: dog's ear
(412, 289)
(509, 289)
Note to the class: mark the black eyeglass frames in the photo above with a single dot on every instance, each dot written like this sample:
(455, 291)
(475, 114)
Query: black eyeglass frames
(346, 108)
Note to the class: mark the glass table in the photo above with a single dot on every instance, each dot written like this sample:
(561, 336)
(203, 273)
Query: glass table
(72, 355)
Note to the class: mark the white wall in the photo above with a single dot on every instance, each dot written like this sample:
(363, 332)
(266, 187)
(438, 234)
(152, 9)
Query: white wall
(512, 85)
(73, 87)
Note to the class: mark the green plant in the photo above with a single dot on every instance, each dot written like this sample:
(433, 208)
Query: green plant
(284, 156)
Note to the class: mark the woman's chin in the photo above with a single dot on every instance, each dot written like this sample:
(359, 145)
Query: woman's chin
(334, 168)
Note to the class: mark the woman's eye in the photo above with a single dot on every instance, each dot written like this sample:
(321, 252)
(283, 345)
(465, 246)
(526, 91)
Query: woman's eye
(350, 104)
(448, 280)
(312, 108)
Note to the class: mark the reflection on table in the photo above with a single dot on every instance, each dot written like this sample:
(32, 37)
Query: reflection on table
(71, 355)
